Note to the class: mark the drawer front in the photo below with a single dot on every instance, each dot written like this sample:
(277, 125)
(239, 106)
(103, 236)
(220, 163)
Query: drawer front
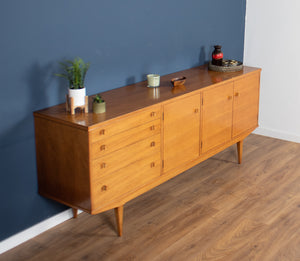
(123, 139)
(124, 181)
(128, 122)
(125, 156)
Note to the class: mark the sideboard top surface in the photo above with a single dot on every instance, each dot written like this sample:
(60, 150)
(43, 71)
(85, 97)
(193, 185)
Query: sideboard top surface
(136, 96)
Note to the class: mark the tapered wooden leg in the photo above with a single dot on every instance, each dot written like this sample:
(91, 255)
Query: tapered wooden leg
(86, 106)
(75, 212)
(72, 108)
(119, 218)
(240, 151)
(67, 102)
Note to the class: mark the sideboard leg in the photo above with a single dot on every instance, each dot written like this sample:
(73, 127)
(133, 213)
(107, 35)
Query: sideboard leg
(240, 151)
(75, 212)
(119, 218)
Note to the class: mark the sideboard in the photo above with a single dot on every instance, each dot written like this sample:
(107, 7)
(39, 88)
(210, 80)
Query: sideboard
(96, 162)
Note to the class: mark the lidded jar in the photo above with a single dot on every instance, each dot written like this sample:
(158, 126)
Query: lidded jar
(217, 56)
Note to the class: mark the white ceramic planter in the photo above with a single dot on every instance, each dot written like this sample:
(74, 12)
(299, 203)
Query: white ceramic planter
(78, 95)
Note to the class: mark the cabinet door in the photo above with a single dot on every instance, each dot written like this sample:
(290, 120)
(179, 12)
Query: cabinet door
(217, 116)
(245, 106)
(181, 131)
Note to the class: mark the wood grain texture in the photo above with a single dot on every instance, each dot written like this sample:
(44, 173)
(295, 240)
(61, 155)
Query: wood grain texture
(110, 189)
(129, 136)
(245, 103)
(125, 156)
(131, 98)
(217, 116)
(119, 212)
(181, 131)
(171, 174)
(102, 163)
(128, 122)
(75, 212)
(63, 167)
(240, 151)
(217, 210)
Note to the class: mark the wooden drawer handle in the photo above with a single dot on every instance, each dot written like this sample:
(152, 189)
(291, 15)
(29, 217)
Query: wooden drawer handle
(103, 165)
(237, 94)
(196, 110)
(152, 114)
(102, 132)
(152, 165)
(104, 188)
(152, 127)
(229, 97)
(102, 147)
(152, 144)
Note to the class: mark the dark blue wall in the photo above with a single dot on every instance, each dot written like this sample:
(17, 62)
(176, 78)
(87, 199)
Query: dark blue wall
(123, 40)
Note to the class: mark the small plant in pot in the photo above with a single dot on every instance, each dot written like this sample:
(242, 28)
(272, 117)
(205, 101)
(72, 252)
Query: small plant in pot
(75, 72)
(98, 104)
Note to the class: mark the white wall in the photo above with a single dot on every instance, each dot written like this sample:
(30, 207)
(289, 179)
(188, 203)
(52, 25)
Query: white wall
(272, 42)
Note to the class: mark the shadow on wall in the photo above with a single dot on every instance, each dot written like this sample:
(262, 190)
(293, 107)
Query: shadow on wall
(17, 150)
(201, 61)
(130, 80)
(38, 81)
(202, 57)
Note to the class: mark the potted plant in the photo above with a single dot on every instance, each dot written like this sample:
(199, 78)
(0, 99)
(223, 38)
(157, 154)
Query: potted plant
(75, 72)
(98, 104)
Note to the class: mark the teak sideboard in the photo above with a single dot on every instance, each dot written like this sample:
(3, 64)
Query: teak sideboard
(97, 162)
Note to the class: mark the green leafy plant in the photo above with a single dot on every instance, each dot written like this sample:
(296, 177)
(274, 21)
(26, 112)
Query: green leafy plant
(74, 72)
(98, 99)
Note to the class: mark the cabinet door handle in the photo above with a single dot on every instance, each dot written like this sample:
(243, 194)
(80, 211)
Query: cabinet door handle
(102, 147)
(102, 132)
(237, 94)
(103, 165)
(152, 144)
(104, 188)
(152, 114)
(152, 165)
(152, 127)
(229, 97)
(196, 110)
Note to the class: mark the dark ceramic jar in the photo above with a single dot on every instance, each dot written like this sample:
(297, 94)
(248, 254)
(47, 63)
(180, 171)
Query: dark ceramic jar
(217, 56)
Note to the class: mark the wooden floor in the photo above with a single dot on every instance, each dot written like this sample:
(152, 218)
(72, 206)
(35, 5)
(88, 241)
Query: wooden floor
(218, 210)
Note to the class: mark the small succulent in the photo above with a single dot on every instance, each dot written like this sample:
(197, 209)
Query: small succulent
(98, 99)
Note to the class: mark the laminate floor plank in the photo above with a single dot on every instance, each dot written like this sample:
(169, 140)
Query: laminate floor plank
(217, 210)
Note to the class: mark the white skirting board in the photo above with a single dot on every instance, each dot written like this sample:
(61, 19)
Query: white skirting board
(35, 230)
(277, 134)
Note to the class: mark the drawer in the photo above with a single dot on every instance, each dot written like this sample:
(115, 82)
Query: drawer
(125, 156)
(124, 181)
(125, 123)
(123, 139)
